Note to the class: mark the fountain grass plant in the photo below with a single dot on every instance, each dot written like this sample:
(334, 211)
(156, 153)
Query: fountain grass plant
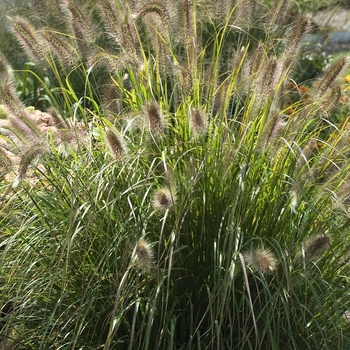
(191, 212)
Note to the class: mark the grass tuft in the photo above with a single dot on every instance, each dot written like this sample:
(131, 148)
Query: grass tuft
(184, 201)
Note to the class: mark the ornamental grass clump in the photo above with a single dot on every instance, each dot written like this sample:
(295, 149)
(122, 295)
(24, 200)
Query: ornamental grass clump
(200, 207)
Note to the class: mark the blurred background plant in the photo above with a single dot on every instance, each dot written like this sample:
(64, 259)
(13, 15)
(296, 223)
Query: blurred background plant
(180, 195)
(9, 46)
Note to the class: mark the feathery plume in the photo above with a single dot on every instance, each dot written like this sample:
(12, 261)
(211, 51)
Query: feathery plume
(268, 78)
(198, 121)
(218, 99)
(115, 144)
(110, 17)
(51, 10)
(186, 79)
(5, 162)
(18, 117)
(186, 20)
(27, 37)
(8, 95)
(143, 254)
(163, 199)
(154, 117)
(331, 75)
(315, 246)
(157, 20)
(172, 17)
(111, 99)
(276, 15)
(220, 9)
(81, 27)
(260, 259)
(28, 158)
(278, 126)
(256, 60)
(80, 24)
(111, 62)
(246, 12)
(59, 47)
(128, 36)
(158, 8)
(10, 99)
(238, 68)
(331, 99)
(6, 75)
(25, 127)
(271, 131)
(295, 37)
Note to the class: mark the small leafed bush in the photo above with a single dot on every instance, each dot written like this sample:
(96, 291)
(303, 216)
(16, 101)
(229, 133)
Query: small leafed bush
(191, 196)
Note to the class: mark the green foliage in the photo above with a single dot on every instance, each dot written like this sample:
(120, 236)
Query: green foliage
(312, 65)
(31, 88)
(175, 204)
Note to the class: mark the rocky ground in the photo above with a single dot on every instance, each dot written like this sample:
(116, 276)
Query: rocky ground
(333, 29)
(336, 20)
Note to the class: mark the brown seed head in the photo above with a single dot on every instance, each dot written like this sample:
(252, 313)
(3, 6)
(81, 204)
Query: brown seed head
(115, 144)
(5, 162)
(315, 246)
(143, 254)
(331, 75)
(163, 199)
(29, 158)
(80, 24)
(331, 99)
(276, 15)
(6, 75)
(154, 117)
(59, 47)
(27, 37)
(186, 20)
(111, 17)
(198, 121)
(295, 37)
(260, 259)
